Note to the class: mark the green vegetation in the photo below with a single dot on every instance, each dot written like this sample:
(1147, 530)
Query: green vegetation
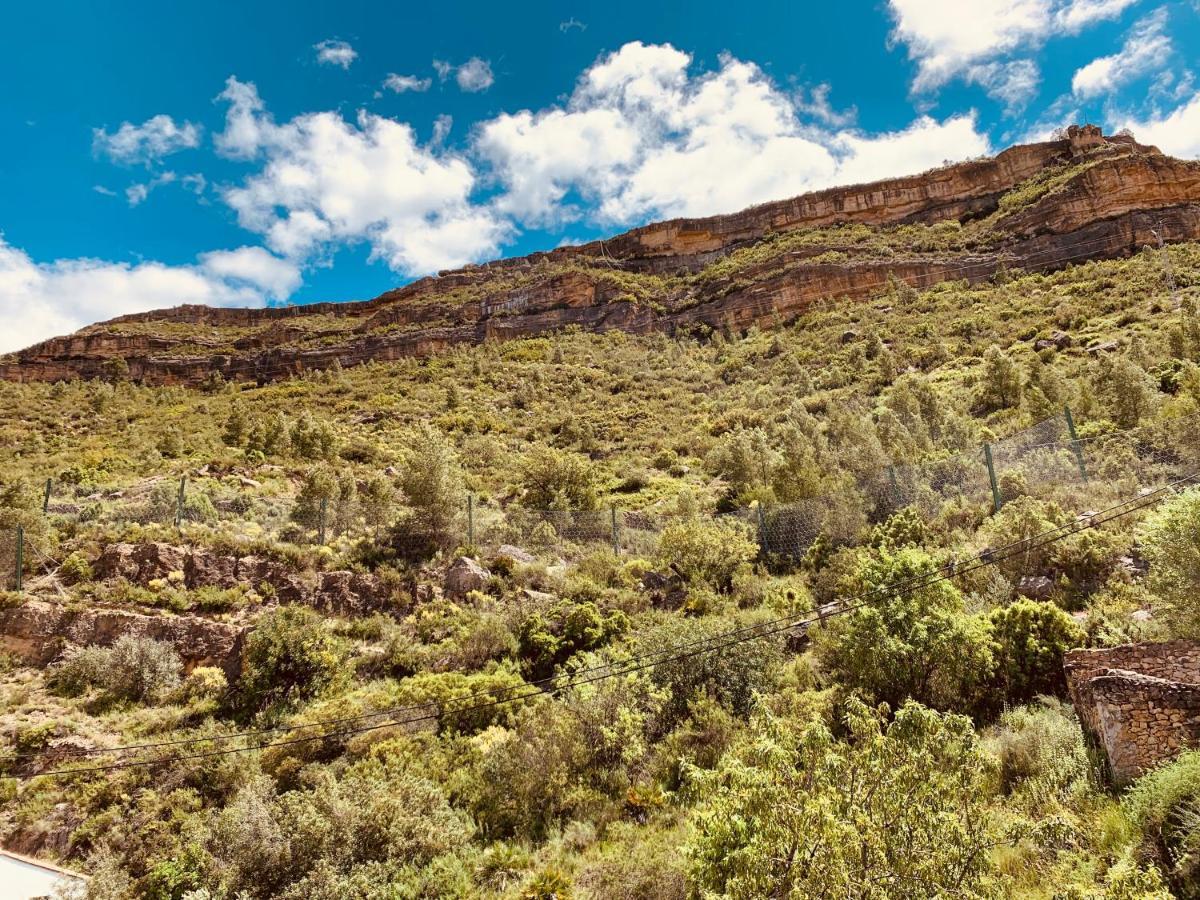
(917, 745)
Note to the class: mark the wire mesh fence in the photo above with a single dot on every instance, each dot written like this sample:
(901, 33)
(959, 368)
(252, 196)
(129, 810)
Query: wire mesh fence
(1049, 458)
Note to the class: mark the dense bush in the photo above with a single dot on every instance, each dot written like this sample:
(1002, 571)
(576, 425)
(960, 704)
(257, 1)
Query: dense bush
(134, 668)
(558, 479)
(905, 642)
(287, 658)
(1030, 639)
(1169, 542)
(795, 813)
(705, 552)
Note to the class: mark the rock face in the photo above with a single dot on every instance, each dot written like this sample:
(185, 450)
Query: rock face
(336, 593)
(39, 631)
(1140, 703)
(1112, 196)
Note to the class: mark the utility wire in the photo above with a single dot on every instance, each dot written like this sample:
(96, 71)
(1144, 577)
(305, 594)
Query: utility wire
(951, 570)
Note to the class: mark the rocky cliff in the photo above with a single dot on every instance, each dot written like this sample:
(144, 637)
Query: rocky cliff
(1033, 207)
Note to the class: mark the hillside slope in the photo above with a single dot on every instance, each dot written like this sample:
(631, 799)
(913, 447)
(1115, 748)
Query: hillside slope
(1037, 207)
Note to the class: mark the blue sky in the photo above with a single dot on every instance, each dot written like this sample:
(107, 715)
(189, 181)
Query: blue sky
(250, 154)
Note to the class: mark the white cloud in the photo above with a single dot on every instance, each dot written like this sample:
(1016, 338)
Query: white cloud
(196, 183)
(103, 191)
(41, 300)
(640, 137)
(335, 53)
(951, 38)
(328, 181)
(572, 22)
(1012, 83)
(817, 106)
(474, 75)
(1146, 48)
(255, 267)
(1076, 16)
(401, 83)
(1176, 132)
(137, 193)
(147, 143)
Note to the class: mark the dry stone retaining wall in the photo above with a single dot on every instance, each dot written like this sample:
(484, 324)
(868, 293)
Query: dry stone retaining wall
(1139, 702)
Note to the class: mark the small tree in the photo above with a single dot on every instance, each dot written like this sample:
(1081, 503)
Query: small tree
(558, 479)
(897, 812)
(706, 553)
(904, 643)
(1030, 639)
(431, 485)
(288, 657)
(1001, 387)
(1170, 541)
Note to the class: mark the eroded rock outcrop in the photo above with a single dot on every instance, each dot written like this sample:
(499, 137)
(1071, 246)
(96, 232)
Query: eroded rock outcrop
(1099, 197)
(337, 593)
(38, 631)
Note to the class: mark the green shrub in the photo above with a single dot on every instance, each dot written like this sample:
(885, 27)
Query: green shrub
(1030, 639)
(558, 479)
(287, 658)
(707, 553)
(913, 643)
(901, 805)
(548, 639)
(1169, 543)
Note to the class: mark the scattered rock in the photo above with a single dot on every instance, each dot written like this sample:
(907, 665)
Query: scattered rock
(516, 554)
(1036, 587)
(849, 336)
(463, 576)
(1061, 340)
(1106, 347)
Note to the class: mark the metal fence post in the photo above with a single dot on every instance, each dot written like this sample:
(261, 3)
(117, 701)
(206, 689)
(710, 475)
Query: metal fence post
(1075, 445)
(20, 573)
(180, 500)
(997, 502)
(46, 497)
(470, 520)
(321, 521)
(616, 541)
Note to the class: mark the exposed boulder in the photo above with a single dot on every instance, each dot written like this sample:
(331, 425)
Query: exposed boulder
(516, 554)
(1036, 587)
(463, 576)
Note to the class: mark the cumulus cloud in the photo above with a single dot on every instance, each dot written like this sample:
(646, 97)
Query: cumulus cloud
(41, 300)
(400, 84)
(326, 180)
(641, 137)
(1146, 48)
(474, 75)
(147, 143)
(1176, 132)
(253, 267)
(335, 53)
(950, 38)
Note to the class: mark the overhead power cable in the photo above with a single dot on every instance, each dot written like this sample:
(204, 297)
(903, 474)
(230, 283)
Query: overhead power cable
(731, 638)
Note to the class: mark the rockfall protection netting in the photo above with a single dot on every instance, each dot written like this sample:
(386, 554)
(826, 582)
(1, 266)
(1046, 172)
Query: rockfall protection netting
(1044, 460)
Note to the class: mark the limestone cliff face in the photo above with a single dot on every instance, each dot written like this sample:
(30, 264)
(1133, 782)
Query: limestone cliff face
(1036, 207)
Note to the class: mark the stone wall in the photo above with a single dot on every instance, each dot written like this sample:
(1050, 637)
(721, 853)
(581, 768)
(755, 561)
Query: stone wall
(1140, 703)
